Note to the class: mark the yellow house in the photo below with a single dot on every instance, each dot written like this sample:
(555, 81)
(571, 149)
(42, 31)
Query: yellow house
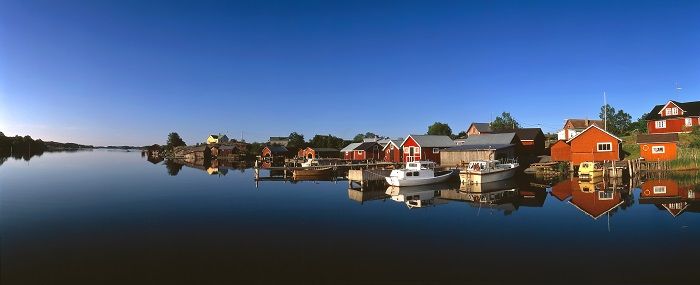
(217, 139)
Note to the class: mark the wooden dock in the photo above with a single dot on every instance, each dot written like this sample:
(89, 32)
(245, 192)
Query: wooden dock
(366, 176)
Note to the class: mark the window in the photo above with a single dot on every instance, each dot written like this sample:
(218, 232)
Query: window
(605, 195)
(688, 122)
(671, 111)
(405, 149)
(412, 165)
(606, 146)
(659, 189)
(691, 194)
(658, 149)
(409, 173)
(436, 150)
(360, 152)
(416, 173)
(661, 124)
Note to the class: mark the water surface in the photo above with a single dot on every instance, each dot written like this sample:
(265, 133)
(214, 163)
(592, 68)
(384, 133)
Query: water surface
(111, 217)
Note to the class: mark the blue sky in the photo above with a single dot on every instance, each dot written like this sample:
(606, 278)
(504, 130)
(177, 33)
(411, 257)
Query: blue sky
(129, 72)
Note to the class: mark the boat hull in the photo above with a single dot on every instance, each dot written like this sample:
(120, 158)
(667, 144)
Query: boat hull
(479, 178)
(394, 181)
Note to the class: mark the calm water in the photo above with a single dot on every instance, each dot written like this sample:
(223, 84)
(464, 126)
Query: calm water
(112, 217)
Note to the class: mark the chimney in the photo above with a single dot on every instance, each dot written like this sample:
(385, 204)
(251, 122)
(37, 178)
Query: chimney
(586, 122)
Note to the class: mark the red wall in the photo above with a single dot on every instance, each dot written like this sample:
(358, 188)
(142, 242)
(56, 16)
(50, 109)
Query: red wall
(584, 147)
(560, 151)
(424, 153)
(410, 143)
(392, 155)
(675, 125)
(669, 154)
(348, 155)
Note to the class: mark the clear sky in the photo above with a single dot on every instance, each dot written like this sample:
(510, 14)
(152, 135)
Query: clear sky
(130, 72)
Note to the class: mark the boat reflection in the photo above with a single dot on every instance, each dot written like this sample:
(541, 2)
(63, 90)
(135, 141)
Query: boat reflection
(417, 196)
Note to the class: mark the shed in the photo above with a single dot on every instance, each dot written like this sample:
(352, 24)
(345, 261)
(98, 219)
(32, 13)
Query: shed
(425, 147)
(465, 153)
(658, 147)
(479, 128)
(367, 151)
(560, 151)
(349, 151)
(393, 151)
(272, 152)
(320, 152)
(595, 144)
(532, 140)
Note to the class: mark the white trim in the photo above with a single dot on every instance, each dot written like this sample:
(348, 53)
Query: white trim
(593, 126)
(661, 124)
(436, 150)
(604, 143)
(659, 189)
(666, 105)
(688, 122)
(662, 148)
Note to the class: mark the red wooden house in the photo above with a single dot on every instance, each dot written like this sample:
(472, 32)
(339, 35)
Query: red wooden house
(595, 144)
(368, 151)
(348, 152)
(658, 147)
(320, 152)
(425, 147)
(560, 151)
(673, 117)
(393, 151)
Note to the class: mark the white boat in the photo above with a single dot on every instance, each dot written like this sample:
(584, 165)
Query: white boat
(417, 197)
(485, 171)
(418, 173)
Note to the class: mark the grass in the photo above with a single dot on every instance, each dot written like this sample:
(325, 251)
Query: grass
(688, 157)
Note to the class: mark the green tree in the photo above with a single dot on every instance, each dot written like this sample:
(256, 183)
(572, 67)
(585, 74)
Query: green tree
(461, 135)
(174, 140)
(440, 129)
(641, 124)
(504, 122)
(618, 122)
(358, 138)
(367, 135)
(296, 140)
(328, 141)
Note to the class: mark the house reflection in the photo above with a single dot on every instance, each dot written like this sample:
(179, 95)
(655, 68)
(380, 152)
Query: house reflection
(499, 195)
(670, 195)
(596, 197)
(211, 167)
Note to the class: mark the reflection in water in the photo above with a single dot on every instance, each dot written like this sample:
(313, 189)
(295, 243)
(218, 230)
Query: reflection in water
(595, 197)
(211, 167)
(676, 196)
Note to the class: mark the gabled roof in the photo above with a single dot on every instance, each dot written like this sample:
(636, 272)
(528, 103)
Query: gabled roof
(470, 147)
(277, 149)
(431, 140)
(492, 139)
(396, 143)
(593, 126)
(367, 146)
(584, 123)
(528, 134)
(350, 147)
(690, 108)
(657, 138)
(481, 127)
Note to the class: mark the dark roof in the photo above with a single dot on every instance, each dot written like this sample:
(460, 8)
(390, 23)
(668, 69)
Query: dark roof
(279, 138)
(432, 140)
(492, 139)
(657, 138)
(471, 147)
(482, 127)
(529, 133)
(277, 149)
(367, 146)
(690, 108)
(585, 123)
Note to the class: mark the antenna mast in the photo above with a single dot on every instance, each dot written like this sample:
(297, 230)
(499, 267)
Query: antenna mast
(605, 114)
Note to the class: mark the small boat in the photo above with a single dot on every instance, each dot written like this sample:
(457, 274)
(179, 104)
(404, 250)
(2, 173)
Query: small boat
(312, 172)
(590, 170)
(418, 173)
(485, 171)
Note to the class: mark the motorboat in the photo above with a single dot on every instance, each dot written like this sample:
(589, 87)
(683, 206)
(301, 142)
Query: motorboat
(485, 171)
(590, 170)
(418, 173)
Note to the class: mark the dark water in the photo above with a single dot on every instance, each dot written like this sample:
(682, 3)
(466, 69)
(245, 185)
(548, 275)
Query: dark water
(111, 217)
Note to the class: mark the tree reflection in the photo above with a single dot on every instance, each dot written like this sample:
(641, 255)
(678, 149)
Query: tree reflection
(173, 167)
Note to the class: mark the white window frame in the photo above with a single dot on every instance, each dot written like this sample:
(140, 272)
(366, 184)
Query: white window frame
(598, 145)
(406, 149)
(659, 189)
(660, 124)
(436, 150)
(606, 195)
(661, 149)
(688, 122)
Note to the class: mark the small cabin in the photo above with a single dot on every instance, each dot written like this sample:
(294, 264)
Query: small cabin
(368, 151)
(276, 152)
(595, 144)
(479, 128)
(425, 147)
(393, 152)
(560, 151)
(348, 152)
(658, 147)
(214, 139)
